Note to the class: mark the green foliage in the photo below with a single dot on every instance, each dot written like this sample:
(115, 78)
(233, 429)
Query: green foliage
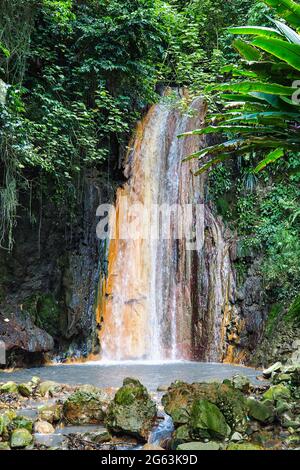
(264, 100)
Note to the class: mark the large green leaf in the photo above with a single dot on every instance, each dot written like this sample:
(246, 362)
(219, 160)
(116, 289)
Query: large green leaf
(246, 50)
(270, 158)
(283, 50)
(287, 9)
(248, 86)
(288, 32)
(227, 128)
(256, 30)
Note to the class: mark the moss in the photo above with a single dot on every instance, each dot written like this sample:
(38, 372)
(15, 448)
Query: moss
(45, 311)
(274, 314)
(293, 313)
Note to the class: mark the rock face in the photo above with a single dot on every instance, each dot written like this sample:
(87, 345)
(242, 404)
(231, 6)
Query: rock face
(132, 411)
(85, 408)
(20, 333)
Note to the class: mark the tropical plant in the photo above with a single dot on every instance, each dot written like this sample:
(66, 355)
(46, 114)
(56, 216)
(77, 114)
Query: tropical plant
(262, 107)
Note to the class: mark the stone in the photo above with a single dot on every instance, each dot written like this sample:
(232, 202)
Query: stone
(241, 382)
(267, 373)
(84, 408)
(179, 399)
(99, 437)
(244, 446)
(132, 411)
(260, 411)
(162, 388)
(4, 446)
(20, 438)
(48, 388)
(35, 381)
(182, 433)
(21, 422)
(25, 390)
(50, 413)
(236, 437)
(199, 446)
(206, 421)
(9, 387)
(43, 427)
(277, 392)
(151, 447)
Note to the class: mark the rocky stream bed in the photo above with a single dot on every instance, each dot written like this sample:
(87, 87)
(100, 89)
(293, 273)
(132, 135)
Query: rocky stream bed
(233, 414)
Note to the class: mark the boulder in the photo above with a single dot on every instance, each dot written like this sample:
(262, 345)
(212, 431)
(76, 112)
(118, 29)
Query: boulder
(231, 402)
(267, 373)
(25, 390)
(132, 410)
(236, 437)
(48, 388)
(43, 427)
(207, 421)
(9, 387)
(50, 413)
(277, 392)
(20, 438)
(199, 446)
(21, 422)
(84, 408)
(260, 411)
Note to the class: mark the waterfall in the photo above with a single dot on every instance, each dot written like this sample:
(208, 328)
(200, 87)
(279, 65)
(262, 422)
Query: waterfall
(159, 299)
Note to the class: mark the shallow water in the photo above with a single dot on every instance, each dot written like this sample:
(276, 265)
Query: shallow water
(151, 375)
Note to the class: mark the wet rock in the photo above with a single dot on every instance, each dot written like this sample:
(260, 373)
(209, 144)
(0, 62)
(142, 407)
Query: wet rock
(48, 388)
(200, 446)
(244, 446)
(50, 413)
(162, 388)
(20, 438)
(43, 427)
(21, 422)
(179, 400)
(277, 392)
(260, 411)
(132, 410)
(9, 387)
(25, 390)
(206, 421)
(98, 437)
(267, 373)
(84, 408)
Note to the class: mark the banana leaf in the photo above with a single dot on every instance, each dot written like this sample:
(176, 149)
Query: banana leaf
(256, 30)
(270, 158)
(283, 50)
(287, 9)
(248, 86)
(246, 50)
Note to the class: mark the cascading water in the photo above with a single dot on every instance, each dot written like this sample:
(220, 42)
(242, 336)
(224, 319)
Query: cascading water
(161, 300)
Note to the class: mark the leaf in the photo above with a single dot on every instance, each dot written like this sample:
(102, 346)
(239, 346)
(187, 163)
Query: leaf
(246, 50)
(227, 128)
(247, 87)
(287, 9)
(283, 50)
(288, 32)
(270, 158)
(213, 162)
(256, 30)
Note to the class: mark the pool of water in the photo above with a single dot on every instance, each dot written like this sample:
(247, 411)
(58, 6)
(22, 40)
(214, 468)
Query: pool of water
(151, 375)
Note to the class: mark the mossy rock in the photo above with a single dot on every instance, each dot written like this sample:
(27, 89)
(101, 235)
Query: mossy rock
(244, 446)
(25, 390)
(231, 402)
(48, 388)
(84, 408)
(207, 421)
(4, 446)
(239, 382)
(263, 412)
(9, 387)
(45, 312)
(20, 438)
(132, 410)
(277, 392)
(21, 422)
(51, 413)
